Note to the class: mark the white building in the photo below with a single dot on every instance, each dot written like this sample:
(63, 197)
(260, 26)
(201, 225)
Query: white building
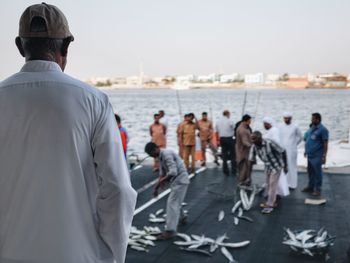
(186, 78)
(214, 77)
(272, 78)
(230, 78)
(258, 78)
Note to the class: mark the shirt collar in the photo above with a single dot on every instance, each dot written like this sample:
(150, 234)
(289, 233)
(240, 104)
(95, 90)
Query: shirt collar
(40, 66)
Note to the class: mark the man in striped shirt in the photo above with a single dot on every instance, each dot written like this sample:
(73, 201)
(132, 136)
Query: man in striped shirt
(275, 159)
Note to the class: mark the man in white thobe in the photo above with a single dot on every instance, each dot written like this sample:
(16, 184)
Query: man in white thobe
(273, 133)
(290, 138)
(65, 192)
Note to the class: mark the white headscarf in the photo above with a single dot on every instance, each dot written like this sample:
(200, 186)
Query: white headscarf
(269, 120)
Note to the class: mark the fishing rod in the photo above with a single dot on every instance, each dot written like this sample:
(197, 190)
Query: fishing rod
(256, 106)
(179, 104)
(244, 102)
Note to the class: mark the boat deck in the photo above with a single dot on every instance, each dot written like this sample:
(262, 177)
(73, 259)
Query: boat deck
(265, 233)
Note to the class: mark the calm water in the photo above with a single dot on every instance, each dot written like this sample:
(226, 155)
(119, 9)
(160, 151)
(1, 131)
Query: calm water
(136, 107)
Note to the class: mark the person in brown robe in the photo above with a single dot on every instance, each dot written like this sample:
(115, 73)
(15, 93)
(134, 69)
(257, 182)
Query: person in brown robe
(188, 140)
(243, 144)
(178, 135)
(206, 134)
(157, 132)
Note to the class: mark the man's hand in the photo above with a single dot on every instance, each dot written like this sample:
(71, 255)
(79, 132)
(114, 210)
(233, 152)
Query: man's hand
(324, 159)
(285, 169)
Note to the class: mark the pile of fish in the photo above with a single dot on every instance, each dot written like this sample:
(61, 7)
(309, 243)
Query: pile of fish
(155, 218)
(245, 203)
(141, 240)
(309, 242)
(197, 244)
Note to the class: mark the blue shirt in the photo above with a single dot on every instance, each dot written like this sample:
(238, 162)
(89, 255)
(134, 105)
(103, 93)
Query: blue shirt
(317, 135)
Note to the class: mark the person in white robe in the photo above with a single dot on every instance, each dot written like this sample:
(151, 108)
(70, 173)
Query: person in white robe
(273, 133)
(290, 138)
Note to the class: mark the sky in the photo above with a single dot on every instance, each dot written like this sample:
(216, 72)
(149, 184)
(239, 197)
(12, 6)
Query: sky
(113, 37)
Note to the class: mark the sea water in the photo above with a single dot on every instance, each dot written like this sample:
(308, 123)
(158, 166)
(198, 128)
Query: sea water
(137, 106)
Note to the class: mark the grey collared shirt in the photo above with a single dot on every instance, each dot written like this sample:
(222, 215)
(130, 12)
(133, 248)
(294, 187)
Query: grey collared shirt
(65, 192)
(225, 127)
(172, 165)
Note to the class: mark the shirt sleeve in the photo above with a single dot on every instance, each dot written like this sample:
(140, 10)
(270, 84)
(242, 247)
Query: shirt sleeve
(276, 146)
(116, 198)
(171, 165)
(252, 154)
(324, 134)
(245, 138)
(299, 135)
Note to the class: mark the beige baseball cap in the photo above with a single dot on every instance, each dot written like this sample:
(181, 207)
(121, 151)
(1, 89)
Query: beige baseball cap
(55, 20)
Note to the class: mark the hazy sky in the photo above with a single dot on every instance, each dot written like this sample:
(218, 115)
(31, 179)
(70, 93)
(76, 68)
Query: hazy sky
(112, 37)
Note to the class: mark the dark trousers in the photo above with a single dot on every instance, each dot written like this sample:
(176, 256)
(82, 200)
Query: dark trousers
(314, 169)
(228, 154)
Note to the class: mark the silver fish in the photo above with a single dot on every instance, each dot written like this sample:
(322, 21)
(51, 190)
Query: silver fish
(236, 220)
(252, 196)
(235, 245)
(221, 239)
(302, 234)
(196, 237)
(308, 252)
(306, 238)
(290, 234)
(240, 212)
(152, 215)
(235, 207)
(227, 254)
(185, 243)
(319, 233)
(149, 237)
(244, 198)
(199, 244)
(146, 242)
(139, 248)
(156, 220)
(183, 204)
(160, 211)
(136, 237)
(246, 218)
(202, 251)
(322, 237)
(184, 236)
(213, 247)
(133, 243)
(221, 215)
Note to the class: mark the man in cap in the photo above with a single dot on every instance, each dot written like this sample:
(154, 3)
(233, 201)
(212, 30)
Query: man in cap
(172, 170)
(290, 138)
(275, 160)
(65, 192)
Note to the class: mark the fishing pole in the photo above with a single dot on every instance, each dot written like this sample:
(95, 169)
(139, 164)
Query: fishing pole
(257, 106)
(179, 104)
(244, 102)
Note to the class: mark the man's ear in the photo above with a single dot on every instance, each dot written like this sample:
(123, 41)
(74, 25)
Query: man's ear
(20, 46)
(65, 45)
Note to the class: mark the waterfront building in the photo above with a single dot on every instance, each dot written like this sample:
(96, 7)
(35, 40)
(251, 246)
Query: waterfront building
(258, 78)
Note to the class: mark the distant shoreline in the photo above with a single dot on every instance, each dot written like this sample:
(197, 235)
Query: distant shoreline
(193, 86)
